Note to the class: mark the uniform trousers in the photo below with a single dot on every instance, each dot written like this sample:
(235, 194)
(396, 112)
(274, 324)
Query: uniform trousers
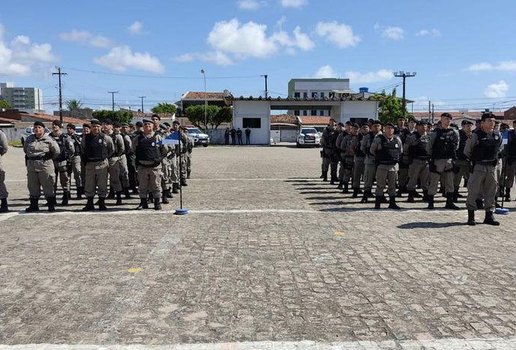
(369, 174)
(114, 174)
(510, 172)
(40, 175)
(3, 189)
(96, 178)
(463, 168)
(443, 171)
(62, 172)
(149, 180)
(124, 171)
(358, 171)
(418, 170)
(386, 175)
(76, 170)
(482, 183)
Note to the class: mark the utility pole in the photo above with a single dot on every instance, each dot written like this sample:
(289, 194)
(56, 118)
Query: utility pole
(142, 97)
(404, 75)
(266, 91)
(203, 72)
(113, 99)
(59, 73)
(429, 109)
(433, 115)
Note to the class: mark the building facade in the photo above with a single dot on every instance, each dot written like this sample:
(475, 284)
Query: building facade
(24, 99)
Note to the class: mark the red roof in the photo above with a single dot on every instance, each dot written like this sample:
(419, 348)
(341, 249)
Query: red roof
(456, 115)
(15, 115)
(314, 120)
(283, 118)
(201, 96)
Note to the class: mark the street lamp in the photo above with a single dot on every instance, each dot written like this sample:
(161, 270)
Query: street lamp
(404, 75)
(205, 101)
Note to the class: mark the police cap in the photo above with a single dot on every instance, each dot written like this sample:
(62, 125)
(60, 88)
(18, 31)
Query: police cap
(108, 122)
(176, 122)
(95, 122)
(39, 123)
(70, 126)
(139, 124)
(446, 115)
(145, 121)
(57, 122)
(390, 125)
(466, 122)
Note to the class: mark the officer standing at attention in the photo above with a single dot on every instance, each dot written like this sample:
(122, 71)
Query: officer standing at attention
(40, 152)
(369, 162)
(130, 157)
(442, 147)
(416, 146)
(387, 149)
(358, 165)
(483, 148)
(75, 160)
(60, 163)
(510, 158)
(328, 139)
(124, 168)
(114, 160)
(149, 151)
(188, 154)
(3, 190)
(97, 148)
(462, 164)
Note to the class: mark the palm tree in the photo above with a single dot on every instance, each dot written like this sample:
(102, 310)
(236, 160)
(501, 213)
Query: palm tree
(74, 106)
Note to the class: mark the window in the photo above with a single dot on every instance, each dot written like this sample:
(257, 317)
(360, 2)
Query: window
(252, 123)
(305, 113)
(305, 94)
(314, 112)
(321, 94)
(321, 113)
(297, 94)
(314, 95)
(296, 112)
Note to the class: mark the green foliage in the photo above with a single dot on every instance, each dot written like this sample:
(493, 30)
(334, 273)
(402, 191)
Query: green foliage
(4, 104)
(74, 105)
(391, 107)
(166, 108)
(214, 116)
(116, 116)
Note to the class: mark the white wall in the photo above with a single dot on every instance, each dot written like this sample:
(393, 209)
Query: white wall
(320, 86)
(253, 109)
(358, 109)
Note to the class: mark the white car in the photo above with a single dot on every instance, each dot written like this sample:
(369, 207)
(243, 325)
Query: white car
(198, 136)
(308, 137)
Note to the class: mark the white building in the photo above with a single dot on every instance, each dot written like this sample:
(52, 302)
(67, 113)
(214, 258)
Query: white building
(26, 99)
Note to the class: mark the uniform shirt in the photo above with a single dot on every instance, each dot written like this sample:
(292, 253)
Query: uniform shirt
(473, 141)
(348, 145)
(377, 144)
(431, 141)
(40, 152)
(108, 142)
(164, 149)
(118, 142)
(412, 140)
(365, 146)
(3, 144)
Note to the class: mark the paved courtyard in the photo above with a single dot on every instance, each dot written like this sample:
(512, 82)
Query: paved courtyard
(269, 257)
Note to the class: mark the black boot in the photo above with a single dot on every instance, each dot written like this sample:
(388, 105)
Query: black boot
(183, 182)
(400, 192)
(188, 173)
(341, 184)
(3, 206)
(455, 196)
(118, 198)
(417, 195)
(507, 194)
(322, 175)
(471, 218)
(465, 183)
(430, 202)
(377, 202)
(111, 193)
(169, 193)
(33, 205)
(325, 175)
(449, 202)
(480, 203)
(384, 199)
(410, 198)
(175, 188)
(102, 204)
(365, 197)
(157, 204)
(346, 188)
(490, 219)
(51, 203)
(135, 190)
(332, 181)
(89, 205)
(151, 197)
(66, 196)
(425, 196)
(80, 192)
(392, 203)
(355, 193)
(164, 198)
(126, 193)
(143, 204)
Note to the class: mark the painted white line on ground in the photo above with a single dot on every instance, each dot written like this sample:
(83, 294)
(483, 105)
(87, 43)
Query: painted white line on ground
(435, 344)
(227, 179)
(7, 216)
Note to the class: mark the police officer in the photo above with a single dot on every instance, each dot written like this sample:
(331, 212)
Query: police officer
(40, 152)
(401, 130)
(114, 160)
(130, 156)
(61, 162)
(347, 147)
(415, 146)
(123, 164)
(330, 160)
(75, 160)
(462, 164)
(358, 165)
(369, 162)
(442, 147)
(149, 151)
(3, 190)
(387, 149)
(188, 154)
(483, 148)
(510, 161)
(97, 148)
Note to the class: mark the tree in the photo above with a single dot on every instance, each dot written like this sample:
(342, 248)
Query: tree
(224, 115)
(115, 116)
(214, 116)
(390, 108)
(165, 108)
(74, 106)
(4, 104)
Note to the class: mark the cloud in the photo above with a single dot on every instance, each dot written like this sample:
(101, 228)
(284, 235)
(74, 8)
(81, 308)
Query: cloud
(325, 72)
(338, 33)
(299, 40)
(370, 77)
(504, 66)
(293, 3)
(216, 57)
(393, 33)
(20, 56)
(429, 32)
(122, 58)
(250, 4)
(84, 37)
(135, 28)
(497, 89)
(184, 58)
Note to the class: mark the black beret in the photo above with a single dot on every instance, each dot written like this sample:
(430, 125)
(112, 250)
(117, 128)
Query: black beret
(86, 125)
(167, 124)
(176, 122)
(139, 124)
(377, 122)
(355, 125)
(389, 125)
(95, 122)
(117, 124)
(70, 126)
(39, 123)
(108, 121)
(56, 122)
(156, 116)
(446, 115)
(145, 121)
(466, 122)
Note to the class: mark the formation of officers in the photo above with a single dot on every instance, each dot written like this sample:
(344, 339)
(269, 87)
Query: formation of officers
(109, 160)
(409, 156)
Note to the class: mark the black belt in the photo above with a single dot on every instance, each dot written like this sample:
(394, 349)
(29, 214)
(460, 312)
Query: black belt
(44, 157)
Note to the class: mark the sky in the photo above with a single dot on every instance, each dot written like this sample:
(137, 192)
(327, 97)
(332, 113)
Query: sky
(463, 52)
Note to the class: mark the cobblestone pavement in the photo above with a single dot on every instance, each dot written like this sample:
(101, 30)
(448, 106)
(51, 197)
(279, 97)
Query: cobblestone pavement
(269, 257)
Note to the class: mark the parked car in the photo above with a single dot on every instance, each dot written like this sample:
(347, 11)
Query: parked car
(198, 136)
(308, 137)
